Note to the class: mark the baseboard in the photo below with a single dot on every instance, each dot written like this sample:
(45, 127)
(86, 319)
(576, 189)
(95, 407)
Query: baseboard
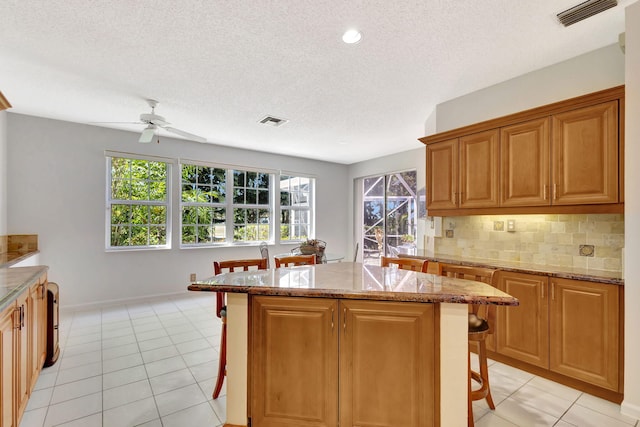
(630, 410)
(119, 301)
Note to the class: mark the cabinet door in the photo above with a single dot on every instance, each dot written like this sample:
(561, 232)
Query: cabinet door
(524, 164)
(23, 376)
(523, 331)
(442, 175)
(7, 366)
(585, 155)
(585, 334)
(36, 331)
(479, 172)
(294, 361)
(387, 364)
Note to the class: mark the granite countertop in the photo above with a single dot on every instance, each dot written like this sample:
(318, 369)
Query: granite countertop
(8, 259)
(348, 280)
(13, 281)
(589, 275)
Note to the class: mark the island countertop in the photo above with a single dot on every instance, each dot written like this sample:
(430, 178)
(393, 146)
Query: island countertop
(350, 280)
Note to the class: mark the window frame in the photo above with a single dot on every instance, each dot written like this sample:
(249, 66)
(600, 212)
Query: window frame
(109, 202)
(310, 208)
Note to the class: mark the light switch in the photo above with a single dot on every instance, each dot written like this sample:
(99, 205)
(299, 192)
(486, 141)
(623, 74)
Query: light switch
(511, 225)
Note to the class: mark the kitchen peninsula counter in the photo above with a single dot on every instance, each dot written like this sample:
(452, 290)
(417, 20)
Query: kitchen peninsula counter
(14, 281)
(393, 333)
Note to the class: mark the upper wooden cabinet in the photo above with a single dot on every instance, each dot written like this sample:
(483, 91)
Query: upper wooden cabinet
(585, 155)
(524, 163)
(565, 157)
(464, 172)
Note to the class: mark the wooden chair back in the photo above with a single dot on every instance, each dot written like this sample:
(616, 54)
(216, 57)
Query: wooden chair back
(413, 264)
(479, 274)
(232, 265)
(286, 261)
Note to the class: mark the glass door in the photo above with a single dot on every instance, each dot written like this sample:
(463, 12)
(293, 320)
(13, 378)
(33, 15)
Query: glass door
(389, 215)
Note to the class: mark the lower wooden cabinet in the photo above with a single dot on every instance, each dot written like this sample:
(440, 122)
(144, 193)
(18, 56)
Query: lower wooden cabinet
(7, 364)
(327, 362)
(568, 327)
(23, 350)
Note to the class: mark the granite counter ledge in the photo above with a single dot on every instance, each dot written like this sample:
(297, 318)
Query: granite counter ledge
(576, 273)
(356, 281)
(13, 281)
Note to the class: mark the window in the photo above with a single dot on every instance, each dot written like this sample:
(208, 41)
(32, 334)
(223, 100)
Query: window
(233, 206)
(203, 208)
(295, 208)
(138, 206)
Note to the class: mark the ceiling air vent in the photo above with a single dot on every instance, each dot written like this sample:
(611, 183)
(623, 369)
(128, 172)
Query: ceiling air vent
(273, 121)
(584, 10)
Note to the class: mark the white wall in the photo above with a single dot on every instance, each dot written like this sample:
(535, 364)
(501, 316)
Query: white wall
(631, 403)
(56, 172)
(600, 69)
(3, 173)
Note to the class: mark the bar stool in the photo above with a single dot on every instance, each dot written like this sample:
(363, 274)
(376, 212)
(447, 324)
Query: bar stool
(481, 321)
(221, 309)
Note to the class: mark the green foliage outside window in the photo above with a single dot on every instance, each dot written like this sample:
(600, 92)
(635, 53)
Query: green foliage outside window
(139, 211)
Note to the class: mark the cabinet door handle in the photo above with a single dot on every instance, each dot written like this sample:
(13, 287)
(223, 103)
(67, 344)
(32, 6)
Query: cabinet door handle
(344, 320)
(332, 319)
(16, 318)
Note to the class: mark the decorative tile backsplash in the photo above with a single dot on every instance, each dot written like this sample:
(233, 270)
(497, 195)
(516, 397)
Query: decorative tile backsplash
(537, 239)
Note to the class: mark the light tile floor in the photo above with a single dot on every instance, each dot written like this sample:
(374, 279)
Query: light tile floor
(154, 363)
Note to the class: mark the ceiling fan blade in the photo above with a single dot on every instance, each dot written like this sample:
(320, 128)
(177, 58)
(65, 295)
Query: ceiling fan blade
(187, 135)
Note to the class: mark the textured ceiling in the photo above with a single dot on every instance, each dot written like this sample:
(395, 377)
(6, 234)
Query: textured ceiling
(218, 67)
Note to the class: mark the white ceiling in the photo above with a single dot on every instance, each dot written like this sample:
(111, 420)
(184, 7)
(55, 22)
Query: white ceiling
(218, 67)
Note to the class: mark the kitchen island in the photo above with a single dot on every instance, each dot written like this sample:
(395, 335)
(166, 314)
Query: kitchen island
(347, 344)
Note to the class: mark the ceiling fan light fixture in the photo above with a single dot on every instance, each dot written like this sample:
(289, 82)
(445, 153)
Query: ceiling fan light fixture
(147, 134)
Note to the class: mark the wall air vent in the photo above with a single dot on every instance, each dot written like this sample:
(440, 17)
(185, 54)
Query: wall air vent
(584, 10)
(273, 121)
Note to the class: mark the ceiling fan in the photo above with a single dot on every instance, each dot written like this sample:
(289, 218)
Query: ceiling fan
(154, 121)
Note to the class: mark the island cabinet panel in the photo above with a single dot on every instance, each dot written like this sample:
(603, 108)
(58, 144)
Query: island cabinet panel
(522, 331)
(442, 175)
(329, 362)
(585, 339)
(8, 320)
(479, 170)
(294, 364)
(387, 364)
(37, 330)
(585, 155)
(524, 164)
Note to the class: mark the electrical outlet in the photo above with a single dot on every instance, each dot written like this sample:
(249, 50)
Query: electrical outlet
(449, 233)
(192, 277)
(498, 225)
(511, 225)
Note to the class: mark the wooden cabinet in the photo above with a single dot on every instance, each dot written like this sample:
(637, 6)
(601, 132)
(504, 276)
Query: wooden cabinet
(442, 175)
(464, 173)
(523, 331)
(585, 155)
(326, 362)
(585, 339)
(568, 327)
(23, 350)
(525, 164)
(560, 158)
(8, 321)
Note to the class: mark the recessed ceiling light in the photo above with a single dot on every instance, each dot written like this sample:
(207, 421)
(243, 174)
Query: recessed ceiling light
(352, 36)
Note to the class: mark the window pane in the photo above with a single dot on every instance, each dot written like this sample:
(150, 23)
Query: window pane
(251, 197)
(139, 214)
(263, 197)
(238, 196)
(238, 178)
(284, 198)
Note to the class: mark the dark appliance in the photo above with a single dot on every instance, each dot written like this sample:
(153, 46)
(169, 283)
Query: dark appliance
(53, 320)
